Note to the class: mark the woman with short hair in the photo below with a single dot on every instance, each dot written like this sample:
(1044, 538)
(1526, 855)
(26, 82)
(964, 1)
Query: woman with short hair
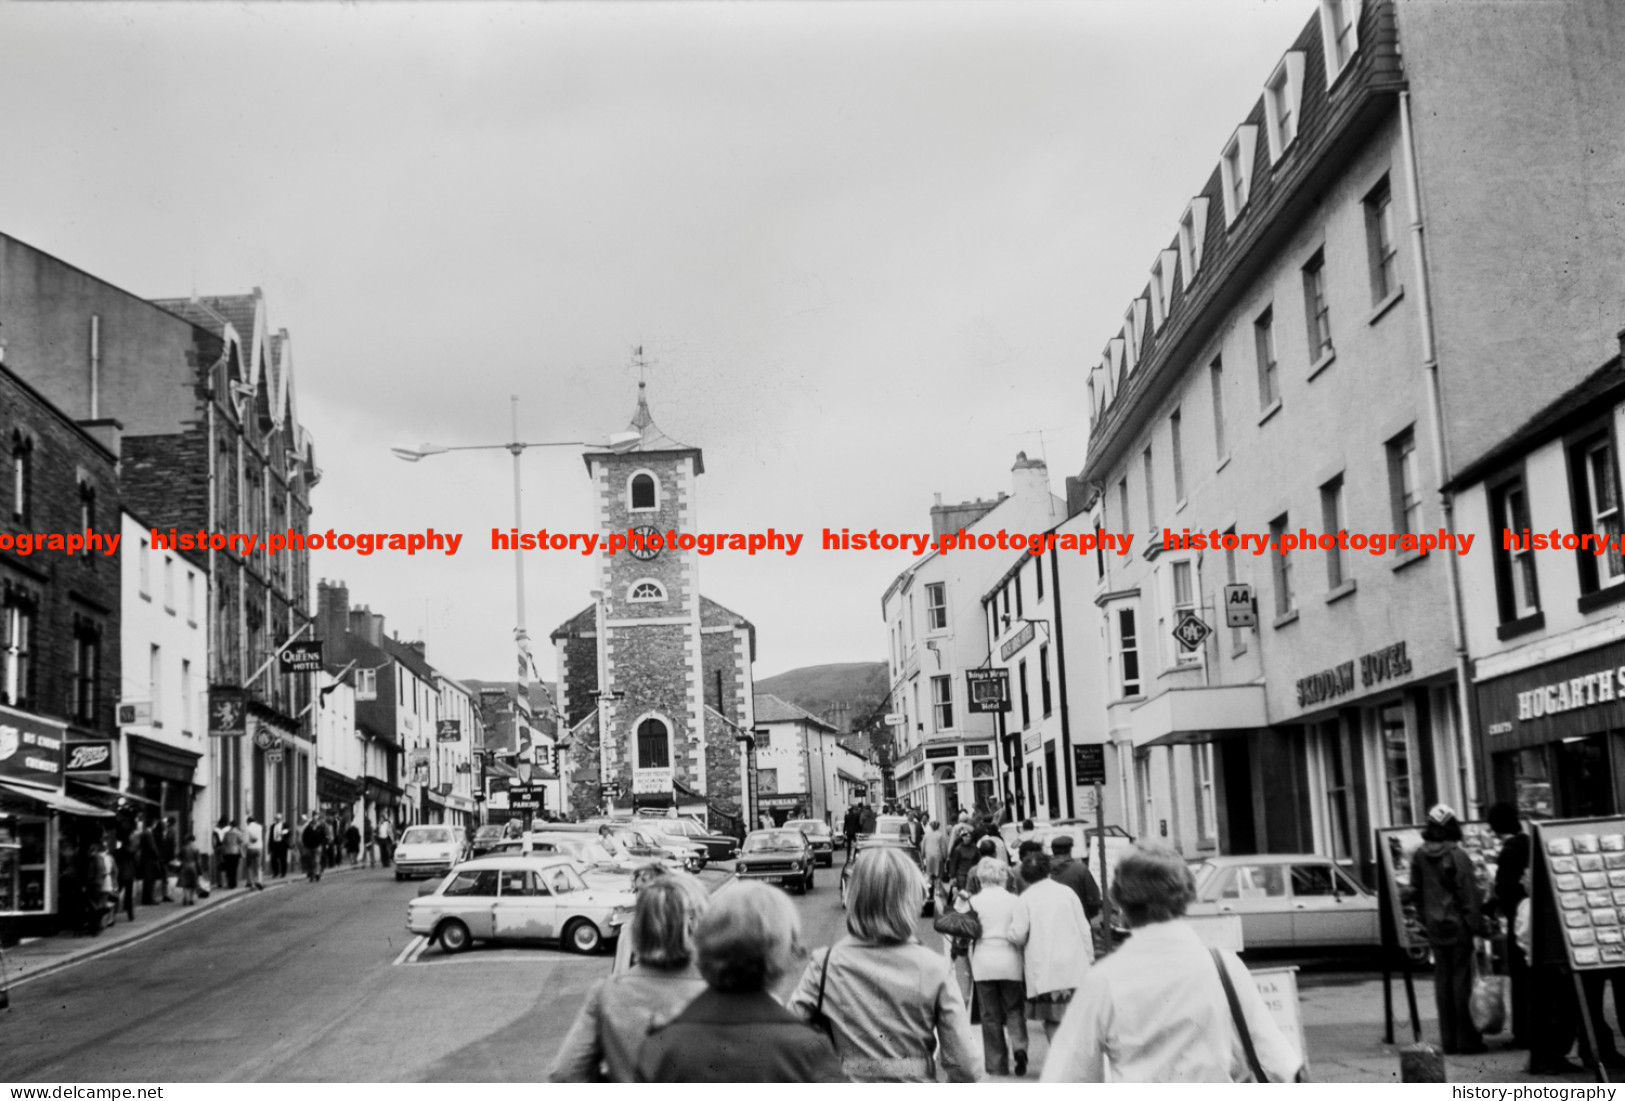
(735, 1031)
(1056, 942)
(1156, 1010)
(603, 1043)
(889, 1002)
(995, 964)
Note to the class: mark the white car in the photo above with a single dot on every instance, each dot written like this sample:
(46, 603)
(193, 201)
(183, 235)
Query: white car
(428, 850)
(519, 898)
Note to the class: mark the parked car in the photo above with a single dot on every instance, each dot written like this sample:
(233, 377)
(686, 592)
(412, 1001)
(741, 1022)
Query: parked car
(601, 869)
(428, 850)
(887, 841)
(819, 836)
(1288, 901)
(777, 856)
(639, 839)
(518, 898)
(486, 839)
(1085, 840)
(718, 846)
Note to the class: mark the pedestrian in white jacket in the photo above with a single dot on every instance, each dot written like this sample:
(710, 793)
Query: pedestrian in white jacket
(1056, 942)
(995, 964)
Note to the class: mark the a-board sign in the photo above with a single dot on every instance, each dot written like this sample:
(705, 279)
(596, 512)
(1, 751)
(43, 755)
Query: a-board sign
(1395, 848)
(1581, 865)
(1278, 986)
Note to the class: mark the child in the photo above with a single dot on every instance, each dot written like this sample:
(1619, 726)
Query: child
(189, 871)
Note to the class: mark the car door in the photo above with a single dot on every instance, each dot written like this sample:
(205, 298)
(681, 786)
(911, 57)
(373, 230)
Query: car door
(1328, 910)
(471, 897)
(526, 910)
(1258, 894)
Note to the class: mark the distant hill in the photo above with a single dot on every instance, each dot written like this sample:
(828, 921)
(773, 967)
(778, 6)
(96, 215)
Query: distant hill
(860, 686)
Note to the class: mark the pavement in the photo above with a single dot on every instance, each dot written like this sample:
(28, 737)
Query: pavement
(320, 982)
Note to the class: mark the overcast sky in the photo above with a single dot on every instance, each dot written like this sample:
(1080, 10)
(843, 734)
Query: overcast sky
(871, 249)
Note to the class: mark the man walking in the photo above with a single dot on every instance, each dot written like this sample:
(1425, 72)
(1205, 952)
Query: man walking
(280, 838)
(147, 861)
(1074, 874)
(369, 842)
(850, 826)
(310, 849)
(165, 829)
(254, 854)
(386, 840)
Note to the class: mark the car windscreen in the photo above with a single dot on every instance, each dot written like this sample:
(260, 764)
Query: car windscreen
(777, 841)
(421, 835)
(812, 829)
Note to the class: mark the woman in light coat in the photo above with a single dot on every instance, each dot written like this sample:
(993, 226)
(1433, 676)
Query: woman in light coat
(995, 964)
(1057, 945)
(890, 1001)
(608, 1033)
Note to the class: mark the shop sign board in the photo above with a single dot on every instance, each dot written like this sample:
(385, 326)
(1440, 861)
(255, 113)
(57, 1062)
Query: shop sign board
(90, 760)
(135, 713)
(304, 656)
(31, 748)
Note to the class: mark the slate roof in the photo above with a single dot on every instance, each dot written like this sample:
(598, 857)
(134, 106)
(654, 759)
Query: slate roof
(772, 709)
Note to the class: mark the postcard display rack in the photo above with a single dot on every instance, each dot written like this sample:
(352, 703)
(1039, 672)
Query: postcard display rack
(1402, 935)
(1577, 894)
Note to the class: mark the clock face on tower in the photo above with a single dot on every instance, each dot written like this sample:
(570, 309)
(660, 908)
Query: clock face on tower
(645, 547)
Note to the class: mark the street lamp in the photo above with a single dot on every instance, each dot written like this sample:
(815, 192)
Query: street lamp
(620, 441)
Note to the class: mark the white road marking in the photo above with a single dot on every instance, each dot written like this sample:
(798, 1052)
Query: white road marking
(416, 944)
(507, 960)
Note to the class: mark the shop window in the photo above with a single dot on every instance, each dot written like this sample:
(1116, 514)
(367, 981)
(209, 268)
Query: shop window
(983, 787)
(1337, 778)
(24, 856)
(654, 748)
(1531, 782)
(1584, 786)
(1594, 484)
(1517, 591)
(1397, 758)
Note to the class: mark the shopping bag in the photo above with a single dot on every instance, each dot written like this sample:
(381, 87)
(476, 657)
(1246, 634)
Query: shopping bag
(1488, 1002)
(203, 887)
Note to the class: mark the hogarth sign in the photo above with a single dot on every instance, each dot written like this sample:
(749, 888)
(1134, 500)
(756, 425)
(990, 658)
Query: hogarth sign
(1389, 663)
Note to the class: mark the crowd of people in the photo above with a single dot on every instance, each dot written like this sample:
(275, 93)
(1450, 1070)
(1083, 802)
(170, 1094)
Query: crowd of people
(711, 990)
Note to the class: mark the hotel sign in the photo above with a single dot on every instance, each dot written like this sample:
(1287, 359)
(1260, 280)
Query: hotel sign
(989, 690)
(1389, 663)
(1017, 641)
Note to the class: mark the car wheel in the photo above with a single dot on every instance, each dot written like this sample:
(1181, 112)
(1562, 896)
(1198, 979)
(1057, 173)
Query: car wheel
(583, 936)
(454, 936)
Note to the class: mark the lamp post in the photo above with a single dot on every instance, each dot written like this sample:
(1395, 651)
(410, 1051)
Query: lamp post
(524, 764)
(515, 447)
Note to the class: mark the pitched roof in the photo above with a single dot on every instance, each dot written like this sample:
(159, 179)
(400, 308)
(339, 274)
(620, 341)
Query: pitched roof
(650, 438)
(771, 709)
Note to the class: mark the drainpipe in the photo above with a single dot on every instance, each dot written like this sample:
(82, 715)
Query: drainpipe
(1441, 463)
(95, 365)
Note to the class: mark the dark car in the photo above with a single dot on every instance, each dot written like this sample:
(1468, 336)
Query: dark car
(819, 836)
(486, 839)
(888, 840)
(777, 856)
(718, 846)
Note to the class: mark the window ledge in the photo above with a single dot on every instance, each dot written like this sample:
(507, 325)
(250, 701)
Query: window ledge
(169, 609)
(1601, 598)
(190, 622)
(1322, 363)
(1513, 628)
(147, 597)
(1273, 408)
(1180, 507)
(157, 724)
(1224, 462)
(1238, 651)
(1288, 617)
(1345, 589)
(1385, 305)
(1137, 697)
(1408, 558)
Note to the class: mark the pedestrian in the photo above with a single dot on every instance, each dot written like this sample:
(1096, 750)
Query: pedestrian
(1076, 875)
(104, 886)
(996, 968)
(1025, 831)
(1056, 944)
(603, 1043)
(962, 857)
(369, 842)
(1445, 894)
(188, 874)
(352, 843)
(217, 850)
(124, 863)
(1159, 1007)
(310, 849)
(386, 840)
(169, 845)
(1510, 865)
(866, 821)
(933, 852)
(892, 1006)
(734, 1031)
(280, 837)
(254, 854)
(148, 861)
(513, 829)
(849, 828)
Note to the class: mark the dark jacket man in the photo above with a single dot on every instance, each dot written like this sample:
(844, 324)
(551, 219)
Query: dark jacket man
(1074, 874)
(737, 1038)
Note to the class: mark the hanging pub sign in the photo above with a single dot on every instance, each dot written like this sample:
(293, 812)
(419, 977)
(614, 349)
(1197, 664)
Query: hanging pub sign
(988, 690)
(31, 748)
(228, 713)
(304, 656)
(448, 730)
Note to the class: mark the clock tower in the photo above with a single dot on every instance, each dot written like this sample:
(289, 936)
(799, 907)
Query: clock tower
(674, 668)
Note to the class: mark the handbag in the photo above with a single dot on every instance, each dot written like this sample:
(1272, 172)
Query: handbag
(1253, 1065)
(959, 924)
(820, 1020)
(1487, 1005)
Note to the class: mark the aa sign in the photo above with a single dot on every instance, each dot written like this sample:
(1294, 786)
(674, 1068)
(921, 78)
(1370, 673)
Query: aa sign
(1239, 609)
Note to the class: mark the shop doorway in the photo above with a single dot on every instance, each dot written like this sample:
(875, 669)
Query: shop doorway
(1584, 784)
(1239, 833)
(1051, 785)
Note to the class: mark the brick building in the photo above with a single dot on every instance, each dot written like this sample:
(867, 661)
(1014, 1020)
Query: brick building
(674, 665)
(59, 646)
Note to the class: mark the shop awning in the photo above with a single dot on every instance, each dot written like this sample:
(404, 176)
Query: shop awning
(53, 800)
(1191, 716)
(107, 797)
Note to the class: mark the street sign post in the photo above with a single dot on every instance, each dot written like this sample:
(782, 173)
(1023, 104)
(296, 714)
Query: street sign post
(301, 657)
(1191, 631)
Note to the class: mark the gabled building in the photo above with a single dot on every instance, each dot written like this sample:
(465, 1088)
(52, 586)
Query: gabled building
(802, 769)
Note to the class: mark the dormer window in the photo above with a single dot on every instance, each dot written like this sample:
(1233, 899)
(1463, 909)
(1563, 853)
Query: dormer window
(1282, 95)
(1192, 232)
(1162, 287)
(646, 591)
(1340, 33)
(644, 492)
(1236, 171)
